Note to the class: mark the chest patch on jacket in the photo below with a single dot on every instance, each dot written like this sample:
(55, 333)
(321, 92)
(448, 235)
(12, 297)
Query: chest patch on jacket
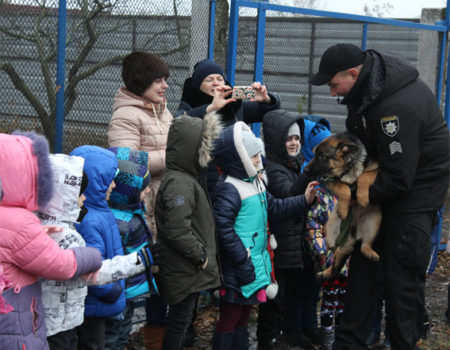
(390, 125)
(178, 200)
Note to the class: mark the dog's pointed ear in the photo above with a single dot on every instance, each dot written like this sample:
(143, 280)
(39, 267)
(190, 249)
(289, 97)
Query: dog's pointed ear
(346, 148)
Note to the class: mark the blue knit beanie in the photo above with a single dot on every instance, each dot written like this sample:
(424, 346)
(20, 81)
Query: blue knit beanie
(204, 68)
(315, 133)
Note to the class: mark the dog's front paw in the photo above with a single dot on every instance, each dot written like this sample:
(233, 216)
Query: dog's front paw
(342, 213)
(362, 198)
(369, 252)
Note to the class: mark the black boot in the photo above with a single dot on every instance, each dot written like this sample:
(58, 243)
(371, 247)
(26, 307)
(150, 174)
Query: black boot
(223, 341)
(240, 341)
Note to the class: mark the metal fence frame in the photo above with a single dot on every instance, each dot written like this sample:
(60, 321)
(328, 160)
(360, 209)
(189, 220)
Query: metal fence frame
(263, 6)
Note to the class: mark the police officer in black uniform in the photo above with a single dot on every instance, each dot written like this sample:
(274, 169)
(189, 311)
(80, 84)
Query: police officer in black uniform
(396, 116)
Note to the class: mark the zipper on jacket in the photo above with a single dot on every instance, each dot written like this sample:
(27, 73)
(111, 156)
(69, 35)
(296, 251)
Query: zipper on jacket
(35, 315)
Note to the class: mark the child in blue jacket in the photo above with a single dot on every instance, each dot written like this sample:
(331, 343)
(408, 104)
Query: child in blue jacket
(99, 229)
(241, 208)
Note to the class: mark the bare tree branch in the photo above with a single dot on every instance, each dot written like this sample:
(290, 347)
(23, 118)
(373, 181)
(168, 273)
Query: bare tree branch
(21, 86)
(83, 37)
(51, 94)
(70, 93)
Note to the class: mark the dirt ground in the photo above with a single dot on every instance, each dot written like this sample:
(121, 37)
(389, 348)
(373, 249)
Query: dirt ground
(436, 303)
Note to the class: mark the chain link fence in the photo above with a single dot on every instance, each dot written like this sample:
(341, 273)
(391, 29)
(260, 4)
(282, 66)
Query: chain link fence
(99, 34)
(293, 45)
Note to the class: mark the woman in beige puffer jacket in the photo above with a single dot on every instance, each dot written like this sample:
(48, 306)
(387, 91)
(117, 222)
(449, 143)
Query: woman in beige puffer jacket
(140, 119)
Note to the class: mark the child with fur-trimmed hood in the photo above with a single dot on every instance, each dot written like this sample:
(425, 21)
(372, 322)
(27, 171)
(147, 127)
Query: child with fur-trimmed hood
(185, 222)
(26, 251)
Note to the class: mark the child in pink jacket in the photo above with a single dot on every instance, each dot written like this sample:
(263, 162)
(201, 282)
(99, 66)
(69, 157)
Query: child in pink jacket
(26, 250)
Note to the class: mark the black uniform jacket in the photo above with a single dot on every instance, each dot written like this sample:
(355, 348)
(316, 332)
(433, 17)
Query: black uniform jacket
(396, 116)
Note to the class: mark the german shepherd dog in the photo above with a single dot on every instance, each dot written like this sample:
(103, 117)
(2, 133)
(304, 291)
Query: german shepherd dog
(341, 163)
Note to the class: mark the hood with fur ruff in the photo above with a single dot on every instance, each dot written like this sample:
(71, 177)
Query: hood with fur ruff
(25, 170)
(190, 142)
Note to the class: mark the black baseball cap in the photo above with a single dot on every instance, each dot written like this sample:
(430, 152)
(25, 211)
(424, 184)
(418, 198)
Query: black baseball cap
(337, 58)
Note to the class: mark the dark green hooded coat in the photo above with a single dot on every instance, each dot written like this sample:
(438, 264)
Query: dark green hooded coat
(184, 215)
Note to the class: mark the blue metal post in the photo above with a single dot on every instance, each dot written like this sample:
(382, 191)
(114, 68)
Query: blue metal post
(364, 36)
(212, 26)
(447, 86)
(60, 76)
(447, 91)
(259, 59)
(260, 41)
(441, 66)
(232, 41)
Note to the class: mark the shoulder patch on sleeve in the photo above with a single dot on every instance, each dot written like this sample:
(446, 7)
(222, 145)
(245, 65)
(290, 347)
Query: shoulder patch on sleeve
(178, 200)
(395, 147)
(390, 125)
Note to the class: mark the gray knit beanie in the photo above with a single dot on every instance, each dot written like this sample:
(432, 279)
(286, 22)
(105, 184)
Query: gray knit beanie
(294, 130)
(252, 144)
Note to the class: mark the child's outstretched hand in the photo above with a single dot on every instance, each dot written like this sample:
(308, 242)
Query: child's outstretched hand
(90, 278)
(311, 191)
(51, 229)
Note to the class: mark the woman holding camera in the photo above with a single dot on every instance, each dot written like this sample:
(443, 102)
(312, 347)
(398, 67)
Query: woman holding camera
(208, 91)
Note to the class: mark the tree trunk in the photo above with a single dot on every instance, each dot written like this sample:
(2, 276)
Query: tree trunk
(221, 33)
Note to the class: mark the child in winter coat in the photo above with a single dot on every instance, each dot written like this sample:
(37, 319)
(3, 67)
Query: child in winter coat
(126, 203)
(284, 141)
(185, 222)
(64, 300)
(241, 208)
(99, 229)
(26, 250)
(333, 290)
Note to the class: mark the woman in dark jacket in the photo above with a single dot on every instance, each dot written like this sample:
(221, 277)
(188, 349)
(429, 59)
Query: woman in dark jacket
(283, 137)
(207, 91)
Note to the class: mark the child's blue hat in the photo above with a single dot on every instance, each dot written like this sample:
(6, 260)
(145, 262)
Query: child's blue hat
(133, 176)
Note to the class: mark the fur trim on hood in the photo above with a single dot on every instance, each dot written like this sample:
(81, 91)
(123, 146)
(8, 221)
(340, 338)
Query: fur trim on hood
(190, 142)
(45, 174)
(212, 129)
